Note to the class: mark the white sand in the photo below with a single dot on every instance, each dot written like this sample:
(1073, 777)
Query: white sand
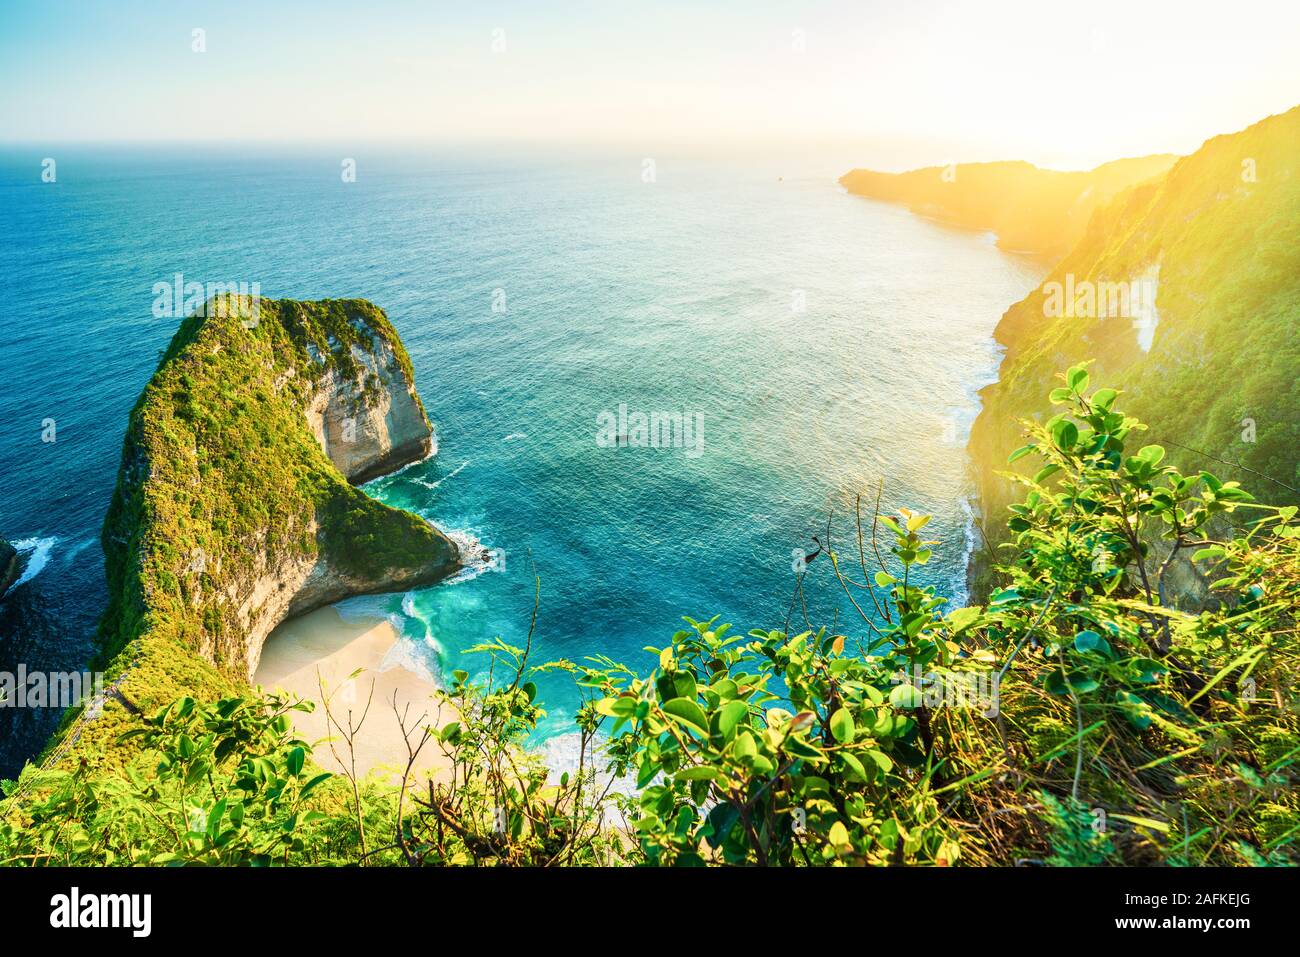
(323, 647)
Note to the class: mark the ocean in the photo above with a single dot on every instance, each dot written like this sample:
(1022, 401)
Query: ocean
(816, 343)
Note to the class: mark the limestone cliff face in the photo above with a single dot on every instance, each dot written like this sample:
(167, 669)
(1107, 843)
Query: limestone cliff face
(371, 423)
(8, 566)
(235, 506)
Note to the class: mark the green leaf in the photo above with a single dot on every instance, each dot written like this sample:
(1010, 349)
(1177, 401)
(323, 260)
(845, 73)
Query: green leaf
(1021, 452)
(721, 820)
(701, 773)
(1103, 399)
(1077, 378)
(906, 696)
(1135, 709)
(1230, 493)
(802, 749)
(1149, 670)
(295, 761)
(1151, 454)
(856, 771)
(813, 784)
(733, 712)
(839, 835)
(648, 770)
(961, 618)
(1090, 641)
(688, 712)
(745, 746)
(215, 815)
(1077, 681)
(842, 725)
(306, 788)
(1047, 470)
(1065, 434)
(882, 760)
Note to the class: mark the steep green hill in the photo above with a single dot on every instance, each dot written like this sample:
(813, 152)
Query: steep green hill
(233, 508)
(1038, 211)
(1217, 241)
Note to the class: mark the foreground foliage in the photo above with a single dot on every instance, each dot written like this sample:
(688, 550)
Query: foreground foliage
(1127, 695)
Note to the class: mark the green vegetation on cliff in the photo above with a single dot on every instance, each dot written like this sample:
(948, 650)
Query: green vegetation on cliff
(1032, 210)
(1218, 242)
(1077, 718)
(226, 503)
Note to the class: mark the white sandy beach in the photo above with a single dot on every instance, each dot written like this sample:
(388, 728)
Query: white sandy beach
(324, 647)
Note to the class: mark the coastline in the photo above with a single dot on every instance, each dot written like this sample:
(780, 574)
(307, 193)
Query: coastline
(355, 660)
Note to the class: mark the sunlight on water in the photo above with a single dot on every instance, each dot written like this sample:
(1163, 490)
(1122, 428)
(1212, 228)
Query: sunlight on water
(822, 341)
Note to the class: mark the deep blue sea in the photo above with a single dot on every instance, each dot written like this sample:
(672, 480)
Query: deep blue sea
(823, 342)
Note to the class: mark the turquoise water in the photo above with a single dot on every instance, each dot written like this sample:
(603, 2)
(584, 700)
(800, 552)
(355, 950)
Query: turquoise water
(822, 341)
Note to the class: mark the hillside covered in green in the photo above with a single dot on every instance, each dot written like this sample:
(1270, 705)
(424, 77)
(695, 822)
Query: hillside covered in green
(229, 515)
(1038, 211)
(1217, 241)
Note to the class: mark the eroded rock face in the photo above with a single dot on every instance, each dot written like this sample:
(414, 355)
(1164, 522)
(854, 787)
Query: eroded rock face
(287, 586)
(370, 424)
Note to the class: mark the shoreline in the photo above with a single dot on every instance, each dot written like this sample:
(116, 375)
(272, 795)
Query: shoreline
(357, 661)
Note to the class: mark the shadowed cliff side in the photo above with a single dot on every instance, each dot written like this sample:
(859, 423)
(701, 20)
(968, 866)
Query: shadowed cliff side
(8, 566)
(233, 508)
(1037, 211)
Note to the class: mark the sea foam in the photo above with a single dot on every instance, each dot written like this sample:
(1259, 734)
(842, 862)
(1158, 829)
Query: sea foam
(39, 557)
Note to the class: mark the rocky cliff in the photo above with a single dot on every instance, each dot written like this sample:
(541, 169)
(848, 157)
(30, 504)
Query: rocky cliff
(1038, 211)
(8, 566)
(1185, 290)
(235, 507)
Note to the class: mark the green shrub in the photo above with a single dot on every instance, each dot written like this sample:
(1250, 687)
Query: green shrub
(1093, 712)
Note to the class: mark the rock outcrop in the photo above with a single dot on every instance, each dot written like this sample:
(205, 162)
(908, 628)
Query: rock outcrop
(235, 506)
(9, 566)
(368, 431)
(1042, 212)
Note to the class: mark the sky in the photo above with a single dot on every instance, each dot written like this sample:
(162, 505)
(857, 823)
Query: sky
(1061, 83)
